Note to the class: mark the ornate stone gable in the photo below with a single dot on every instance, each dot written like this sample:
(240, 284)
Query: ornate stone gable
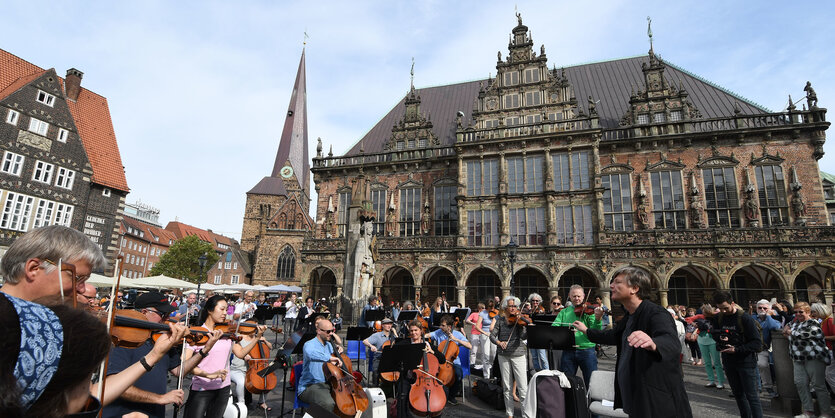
(290, 215)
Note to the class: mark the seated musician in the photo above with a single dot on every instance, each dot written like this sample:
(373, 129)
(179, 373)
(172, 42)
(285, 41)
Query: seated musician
(444, 333)
(313, 388)
(150, 393)
(375, 343)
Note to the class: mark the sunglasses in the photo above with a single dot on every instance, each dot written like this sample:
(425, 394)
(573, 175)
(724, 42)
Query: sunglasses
(556, 303)
(762, 308)
(327, 331)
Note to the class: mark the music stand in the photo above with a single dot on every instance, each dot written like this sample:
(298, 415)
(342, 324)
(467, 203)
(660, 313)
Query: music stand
(543, 319)
(405, 316)
(372, 315)
(551, 338)
(461, 314)
(358, 334)
(307, 323)
(401, 358)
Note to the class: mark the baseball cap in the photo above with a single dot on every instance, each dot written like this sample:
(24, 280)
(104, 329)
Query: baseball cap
(387, 321)
(154, 300)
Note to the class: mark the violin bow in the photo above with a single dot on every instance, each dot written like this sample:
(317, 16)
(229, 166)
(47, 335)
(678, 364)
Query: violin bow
(182, 369)
(111, 309)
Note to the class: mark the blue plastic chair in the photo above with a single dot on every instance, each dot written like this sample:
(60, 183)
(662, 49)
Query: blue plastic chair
(297, 373)
(354, 352)
(464, 357)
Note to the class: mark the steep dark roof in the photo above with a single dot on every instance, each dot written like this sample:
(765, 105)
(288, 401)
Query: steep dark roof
(610, 82)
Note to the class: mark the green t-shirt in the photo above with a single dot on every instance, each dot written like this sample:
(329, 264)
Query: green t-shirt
(566, 317)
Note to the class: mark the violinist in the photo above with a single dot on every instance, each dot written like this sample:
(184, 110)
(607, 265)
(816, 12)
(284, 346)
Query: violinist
(539, 356)
(375, 342)
(485, 323)
(584, 356)
(29, 269)
(210, 386)
(507, 335)
(313, 388)
(149, 395)
(444, 333)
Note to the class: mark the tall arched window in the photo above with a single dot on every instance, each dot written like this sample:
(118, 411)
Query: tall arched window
(286, 264)
(282, 221)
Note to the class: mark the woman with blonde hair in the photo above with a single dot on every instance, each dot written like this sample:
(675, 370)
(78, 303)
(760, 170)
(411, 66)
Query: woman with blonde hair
(810, 356)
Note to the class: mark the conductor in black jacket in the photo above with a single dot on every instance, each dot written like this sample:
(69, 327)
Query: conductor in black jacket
(648, 376)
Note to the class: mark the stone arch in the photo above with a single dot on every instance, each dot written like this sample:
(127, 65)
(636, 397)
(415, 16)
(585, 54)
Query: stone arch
(322, 283)
(482, 283)
(809, 282)
(580, 275)
(528, 280)
(498, 273)
(754, 281)
(653, 275)
(430, 269)
(397, 284)
(691, 284)
(438, 280)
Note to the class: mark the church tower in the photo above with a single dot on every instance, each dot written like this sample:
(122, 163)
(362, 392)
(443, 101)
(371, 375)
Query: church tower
(276, 214)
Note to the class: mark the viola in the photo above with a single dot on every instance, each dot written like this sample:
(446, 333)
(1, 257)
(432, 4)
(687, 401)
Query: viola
(347, 393)
(446, 371)
(427, 397)
(254, 382)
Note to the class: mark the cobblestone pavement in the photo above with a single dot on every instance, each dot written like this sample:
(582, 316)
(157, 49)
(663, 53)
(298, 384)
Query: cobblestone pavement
(705, 402)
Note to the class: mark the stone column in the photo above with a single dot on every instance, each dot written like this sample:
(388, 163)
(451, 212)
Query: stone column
(462, 294)
(552, 291)
(606, 296)
(505, 291)
(663, 293)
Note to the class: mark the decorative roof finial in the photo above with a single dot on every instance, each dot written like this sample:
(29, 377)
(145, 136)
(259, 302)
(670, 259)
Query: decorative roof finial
(649, 32)
(518, 15)
(413, 73)
(304, 40)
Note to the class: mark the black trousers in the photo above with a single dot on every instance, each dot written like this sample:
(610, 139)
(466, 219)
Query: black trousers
(207, 403)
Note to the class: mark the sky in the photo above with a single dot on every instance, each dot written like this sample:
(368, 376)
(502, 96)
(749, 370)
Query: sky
(198, 91)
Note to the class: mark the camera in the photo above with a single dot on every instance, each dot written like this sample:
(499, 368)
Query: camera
(727, 338)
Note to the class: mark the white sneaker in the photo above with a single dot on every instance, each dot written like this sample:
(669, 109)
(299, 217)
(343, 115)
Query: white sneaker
(720, 386)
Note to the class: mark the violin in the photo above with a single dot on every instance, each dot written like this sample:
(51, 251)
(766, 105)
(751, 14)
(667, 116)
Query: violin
(493, 312)
(518, 319)
(427, 397)
(585, 309)
(347, 393)
(254, 382)
(446, 371)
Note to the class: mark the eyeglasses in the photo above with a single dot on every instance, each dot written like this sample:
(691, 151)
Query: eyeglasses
(154, 311)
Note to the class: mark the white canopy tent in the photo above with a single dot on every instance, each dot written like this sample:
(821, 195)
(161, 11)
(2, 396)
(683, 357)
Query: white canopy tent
(163, 282)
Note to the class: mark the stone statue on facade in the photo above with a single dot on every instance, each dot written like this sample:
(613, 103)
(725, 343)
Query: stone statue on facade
(643, 214)
(424, 221)
(811, 97)
(391, 224)
(751, 210)
(519, 18)
(799, 209)
(696, 209)
(319, 148)
(592, 106)
(364, 268)
(328, 227)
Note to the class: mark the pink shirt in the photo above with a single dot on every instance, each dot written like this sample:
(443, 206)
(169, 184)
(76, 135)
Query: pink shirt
(474, 319)
(218, 358)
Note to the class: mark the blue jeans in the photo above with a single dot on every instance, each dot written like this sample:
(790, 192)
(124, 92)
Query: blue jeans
(539, 356)
(585, 359)
(743, 381)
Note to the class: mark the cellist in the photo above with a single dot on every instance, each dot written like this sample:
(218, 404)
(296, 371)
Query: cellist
(444, 333)
(312, 386)
(375, 342)
(237, 372)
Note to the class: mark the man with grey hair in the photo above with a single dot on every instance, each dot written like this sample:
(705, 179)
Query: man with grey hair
(29, 267)
(245, 309)
(648, 376)
(30, 272)
(764, 358)
(539, 356)
(584, 357)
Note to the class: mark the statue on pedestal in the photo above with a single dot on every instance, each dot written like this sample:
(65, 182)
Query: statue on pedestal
(364, 268)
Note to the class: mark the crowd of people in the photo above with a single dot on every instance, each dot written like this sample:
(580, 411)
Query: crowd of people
(53, 354)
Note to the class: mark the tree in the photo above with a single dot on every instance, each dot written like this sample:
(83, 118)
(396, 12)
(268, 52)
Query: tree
(181, 259)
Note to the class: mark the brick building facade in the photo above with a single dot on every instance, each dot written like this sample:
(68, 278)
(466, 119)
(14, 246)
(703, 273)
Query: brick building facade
(61, 162)
(587, 169)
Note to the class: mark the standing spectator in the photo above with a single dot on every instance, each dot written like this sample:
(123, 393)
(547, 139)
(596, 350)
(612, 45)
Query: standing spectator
(707, 346)
(739, 341)
(395, 311)
(648, 377)
(555, 308)
(475, 335)
(486, 321)
(828, 327)
(680, 331)
(810, 356)
(605, 322)
(765, 358)
(691, 336)
(337, 322)
(290, 316)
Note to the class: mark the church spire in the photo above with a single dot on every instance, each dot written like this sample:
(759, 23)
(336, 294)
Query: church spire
(292, 150)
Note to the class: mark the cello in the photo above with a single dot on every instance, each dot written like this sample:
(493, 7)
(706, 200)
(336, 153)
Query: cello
(427, 397)
(254, 382)
(347, 393)
(446, 371)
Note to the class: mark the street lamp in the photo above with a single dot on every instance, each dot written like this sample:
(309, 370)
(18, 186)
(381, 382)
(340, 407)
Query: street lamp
(201, 261)
(511, 247)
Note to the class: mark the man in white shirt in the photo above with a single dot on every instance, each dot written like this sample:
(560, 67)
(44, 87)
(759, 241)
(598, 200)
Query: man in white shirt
(291, 315)
(245, 309)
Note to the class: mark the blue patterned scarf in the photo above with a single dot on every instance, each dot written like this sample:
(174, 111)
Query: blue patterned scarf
(41, 342)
